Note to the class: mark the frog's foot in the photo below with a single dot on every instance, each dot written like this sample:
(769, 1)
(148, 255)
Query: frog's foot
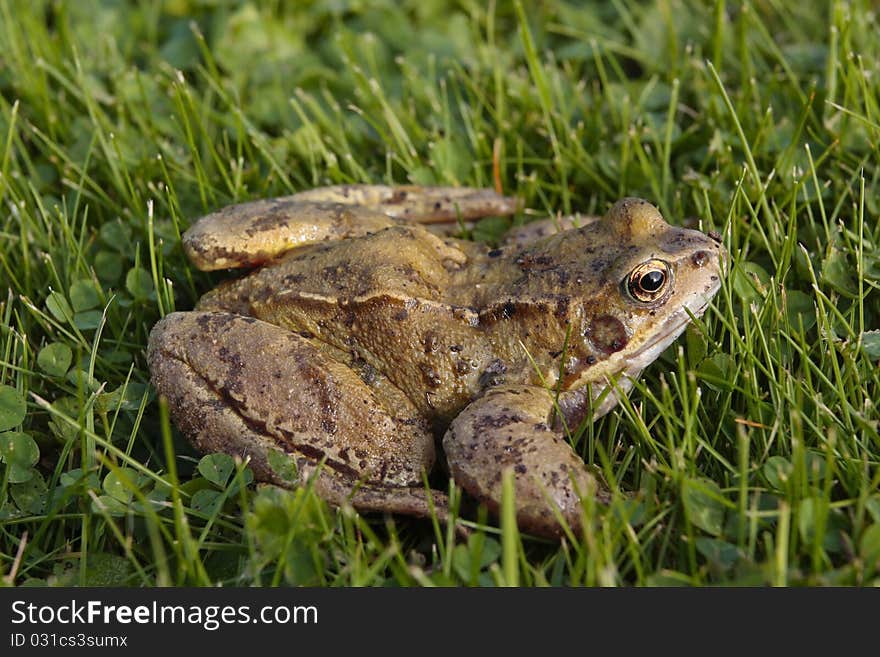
(406, 500)
(510, 428)
(418, 204)
(248, 388)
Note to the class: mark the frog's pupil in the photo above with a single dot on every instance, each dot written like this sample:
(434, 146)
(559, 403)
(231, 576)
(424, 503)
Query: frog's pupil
(652, 281)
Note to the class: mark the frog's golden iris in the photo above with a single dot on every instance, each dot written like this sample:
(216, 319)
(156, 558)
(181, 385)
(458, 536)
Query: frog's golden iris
(649, 281)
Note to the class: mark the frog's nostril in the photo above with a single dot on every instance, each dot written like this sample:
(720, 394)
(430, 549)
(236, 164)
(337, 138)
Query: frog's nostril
(700, 258)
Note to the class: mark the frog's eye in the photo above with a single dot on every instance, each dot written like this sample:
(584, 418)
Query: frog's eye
(648, 281)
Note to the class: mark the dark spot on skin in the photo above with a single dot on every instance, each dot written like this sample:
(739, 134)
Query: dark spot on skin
(210, 322)
(383, 471)
(561, 307)
(494, 253)
(286, 439)
(468, 315)
(431, 342)
(367, 372)
(678, 240)
(431, 377)
(607, 334)
(455, 348)
(700, 258)
(462, 367)
(348, 316)
(323, 389)
(337, 272)
(599, 264)
(508, 310)
(493, 375)
(714, 235)
(401, 315)
(409, 272)
(498, 420)
(399, 196)
(528, 262)
(317, 455)
(292, 280)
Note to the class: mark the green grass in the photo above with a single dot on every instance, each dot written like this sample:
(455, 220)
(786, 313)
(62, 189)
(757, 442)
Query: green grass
(752, 445)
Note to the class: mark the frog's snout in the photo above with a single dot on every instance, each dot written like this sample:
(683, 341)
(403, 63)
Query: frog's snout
(717, 256)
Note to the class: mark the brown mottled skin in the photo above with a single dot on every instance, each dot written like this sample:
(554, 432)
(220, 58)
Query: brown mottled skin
(363, 335)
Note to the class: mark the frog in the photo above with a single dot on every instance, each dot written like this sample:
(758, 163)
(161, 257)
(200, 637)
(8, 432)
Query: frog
(376, 352)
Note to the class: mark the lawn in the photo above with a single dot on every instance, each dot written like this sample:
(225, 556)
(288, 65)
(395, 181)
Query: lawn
(749, 453)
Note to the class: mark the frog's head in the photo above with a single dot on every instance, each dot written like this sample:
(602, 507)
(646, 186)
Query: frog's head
(646, 287)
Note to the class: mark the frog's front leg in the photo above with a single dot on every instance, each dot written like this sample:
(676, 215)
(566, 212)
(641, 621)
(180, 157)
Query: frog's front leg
(244, 387)
(510, 427)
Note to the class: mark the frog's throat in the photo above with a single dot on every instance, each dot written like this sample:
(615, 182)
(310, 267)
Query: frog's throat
(606, 392)
(651, 350)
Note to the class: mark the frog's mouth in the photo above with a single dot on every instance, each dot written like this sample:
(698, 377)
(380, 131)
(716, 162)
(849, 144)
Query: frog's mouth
(605, 399)
(673, 327)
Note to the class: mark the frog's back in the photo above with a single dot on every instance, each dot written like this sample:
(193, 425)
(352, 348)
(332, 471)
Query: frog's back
(383, 300)
(405, 262)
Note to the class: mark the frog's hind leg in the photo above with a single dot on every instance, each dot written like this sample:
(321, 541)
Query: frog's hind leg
(249, 234)
(247, 388)
(418, 204)
(509, 428)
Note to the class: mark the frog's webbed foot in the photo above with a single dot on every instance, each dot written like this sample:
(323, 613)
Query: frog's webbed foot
(414, 203)
(404, 500)
(510, 428)
(247, 388)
